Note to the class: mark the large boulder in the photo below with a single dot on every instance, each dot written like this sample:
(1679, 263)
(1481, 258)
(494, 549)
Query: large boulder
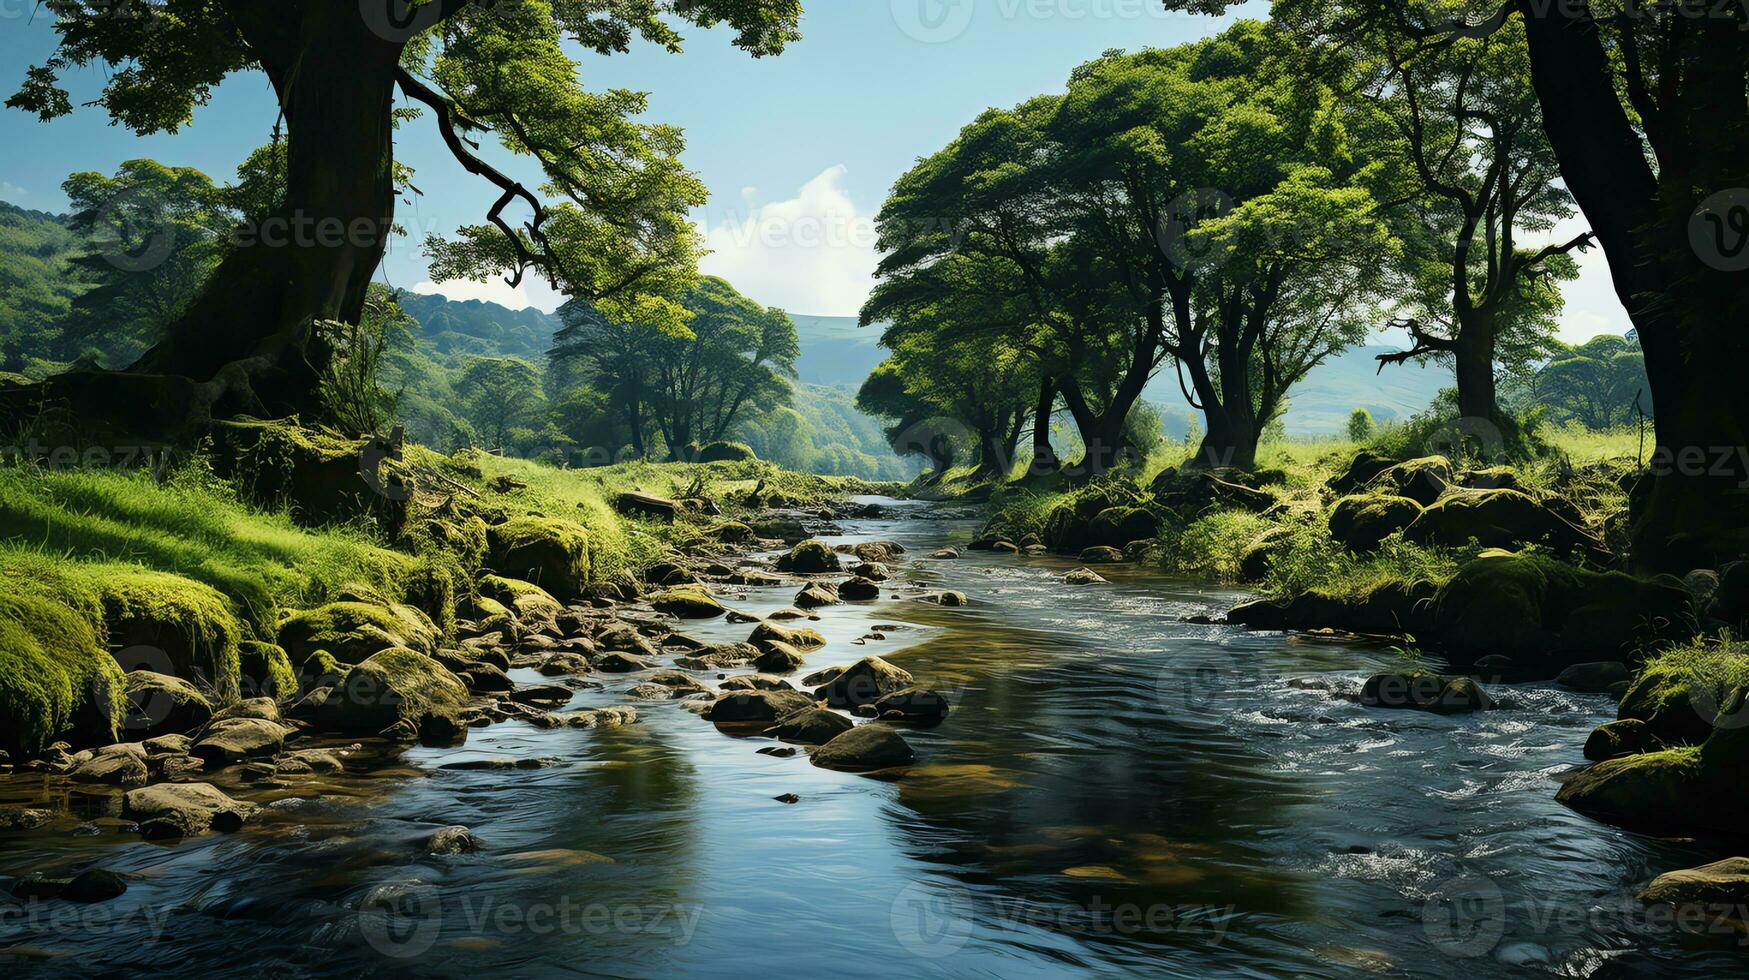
(1387, 609)
(398, 693)
(529, 603)
(353, 631)
(550, 553)
(265, 670)
(800, 638)
(812, 725)
(1118, 526)
(1679, 696)
(688, 603)
(56, 679)
(865, 748)
(1360, 471)
(1547, 615)
(114, 768)
(740, 707)
(1492, 519)
(1708, 888)
(166, 622)
(1362, 521)
(183, 810)
(236, 740)
(864, 682)
(810, 557)
(1624, 737)
(1437, 693)
(1422, 480)
(159, 704)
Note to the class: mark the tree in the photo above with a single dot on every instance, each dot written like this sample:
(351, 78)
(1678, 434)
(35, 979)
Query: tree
(502, 393)
(916, 428)
(618, 235)
(1360, 424)
(733, 356)
(1484, 179)
(152, 235)
(1599, 384)
(1644, 108)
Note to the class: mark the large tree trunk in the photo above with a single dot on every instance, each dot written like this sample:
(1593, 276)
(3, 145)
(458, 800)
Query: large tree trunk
(1473, 367)
(1691, 509)
(1044, 457)
(1231, 439)
(312, 258)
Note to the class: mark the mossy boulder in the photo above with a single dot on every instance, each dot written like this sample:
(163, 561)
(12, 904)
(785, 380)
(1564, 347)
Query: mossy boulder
(1389, 608)
(1547, 615)
(725, 452)
(1360, 471)
(1625, 737)
(1118, 526)
(779, 658)
(183, 810)
(400, 694)
(1679, 696)
(265, 670)
(56, 679)
(1710, 888)
(810, 557)
(731, 532)
(1362, 521)
(320, 476)
(159, 704)
(550, 553)
(1492, 519)
(1422, 480)
(1438, 693)
(800, 638)
(353, 631)
(864, 682)
(528, 602)
(1684, 788)
(171, 624)
(320, 669)
(688, 603)
(1261, 554)
(865, 748)
(234, 740)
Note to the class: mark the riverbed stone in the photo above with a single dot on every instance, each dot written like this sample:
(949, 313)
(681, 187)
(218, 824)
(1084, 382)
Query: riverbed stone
(1437, 693)
(688, 603)
(1100, 555)
(812, 556)
(235, 740)
(113, 769)
(779, 658)
(948, 599)
(161, 704)
(1594, 677)
(812, 725)
(755, 706)
(1361, 522)
(452, 840)
(755, 682)
(622, 663)
(1625, 736)
(183, 810)
(912, 705)
(1719, 885)
(816, 595)
(864, 682)
(859, 589)
(865, 748)
(399, 693)
(801, 638)
(1084, 576)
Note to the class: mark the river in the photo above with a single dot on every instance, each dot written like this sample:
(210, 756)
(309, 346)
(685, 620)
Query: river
(1115, 792)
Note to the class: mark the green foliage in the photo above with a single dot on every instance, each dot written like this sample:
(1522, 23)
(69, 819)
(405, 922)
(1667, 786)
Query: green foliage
(53, 670)
(501, 393)
(35, 292)
(352, 384)
(1360, 425)
(1599, 384)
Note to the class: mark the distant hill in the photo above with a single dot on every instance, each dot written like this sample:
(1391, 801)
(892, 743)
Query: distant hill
(462, 327)
(1321, 404)
(35, 290)
(835, 351)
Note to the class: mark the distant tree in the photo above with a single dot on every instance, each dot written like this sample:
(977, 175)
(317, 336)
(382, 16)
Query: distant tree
(502, 393)
(1599, 384)
(1360, 424)
(152, 234)
(733, 356)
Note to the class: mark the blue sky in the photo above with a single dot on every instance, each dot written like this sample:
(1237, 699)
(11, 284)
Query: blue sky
(798, 150)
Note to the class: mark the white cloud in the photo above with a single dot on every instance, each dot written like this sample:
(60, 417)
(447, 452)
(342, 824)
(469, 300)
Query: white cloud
(533, 291)
(12, 192)
(813, 253)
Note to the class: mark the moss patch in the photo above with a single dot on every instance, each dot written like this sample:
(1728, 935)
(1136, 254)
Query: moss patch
(353, 631)
(552, 554)
(56, 679)
(264, 670)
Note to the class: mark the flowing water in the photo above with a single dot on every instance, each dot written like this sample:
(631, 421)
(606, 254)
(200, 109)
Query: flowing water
(1115, 792)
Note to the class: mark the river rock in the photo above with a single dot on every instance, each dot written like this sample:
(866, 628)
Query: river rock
(755, 682)
(865, 748)
(1597, 677)
(779, 658)
(1425, 692)
(815, 596)
(949, 599)
(753, 706)
(688, 603)
(561, 664)
(812, 725)
(398, 693)
(809, 557)
(864, 682)
(1084, 576)
(859, 590)
(1716, 886)
(160, 704)
(1623, 737)
(183, 810)
(913, 705)
(1100, 555)
(873, 571)
(234, 740)
(946, 554)
(622, 663)
(113, 769)
(801, 638)
(720, 657)
(680, 683)
(452, 840)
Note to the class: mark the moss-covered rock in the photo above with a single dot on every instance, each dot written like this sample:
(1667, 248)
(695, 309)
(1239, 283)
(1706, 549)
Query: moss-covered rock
(725, 452)
(1721, 885)
(688, 603)
(1388, 608)
(1362, 521)
(1492, 519)
(810, 557)
(265, 670)
(730, 532)
(169, 623)
(815, 595)
(321, 476)
(353, 631)
(1547, 615)
(56, 680)
(865, 748)
(864, 682)
(1624, 737)
(183, 810)
(527, 602)
(547, 552)
(160, 704)
(320, 669)
(779, 658)
(1262, 553)
(398, 693)
(1679, 695)
(1422, 480)
(800, 638)
(1118, 526)
(1686, 788)
(1360, 471)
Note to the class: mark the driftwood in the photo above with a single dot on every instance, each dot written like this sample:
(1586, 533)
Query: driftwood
(647, 504)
